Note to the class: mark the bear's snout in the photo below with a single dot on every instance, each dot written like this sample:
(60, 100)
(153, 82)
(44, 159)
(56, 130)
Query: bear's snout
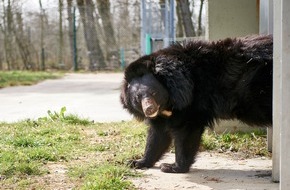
(150, 107)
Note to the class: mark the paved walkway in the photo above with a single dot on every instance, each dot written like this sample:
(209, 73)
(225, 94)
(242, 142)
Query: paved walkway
(93, 96)
(212, 171)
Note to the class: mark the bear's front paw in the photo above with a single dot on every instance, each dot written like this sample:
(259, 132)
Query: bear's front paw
(173, 168)
(139, 164)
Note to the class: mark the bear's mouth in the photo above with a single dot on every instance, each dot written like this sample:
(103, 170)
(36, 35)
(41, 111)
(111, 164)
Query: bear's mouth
(151, 108)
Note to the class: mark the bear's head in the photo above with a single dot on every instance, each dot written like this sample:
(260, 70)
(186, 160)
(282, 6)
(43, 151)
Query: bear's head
(156, 84)
(145, 97)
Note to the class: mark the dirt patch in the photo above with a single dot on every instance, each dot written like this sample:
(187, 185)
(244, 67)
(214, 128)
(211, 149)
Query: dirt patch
(55, 179)
(57, 173)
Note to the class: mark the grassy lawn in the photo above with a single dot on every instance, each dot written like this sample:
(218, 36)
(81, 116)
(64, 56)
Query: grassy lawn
(16, 78)
(63, 150)
(241, 145)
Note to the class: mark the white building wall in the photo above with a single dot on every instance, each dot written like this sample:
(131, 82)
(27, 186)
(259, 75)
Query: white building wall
(231, 18)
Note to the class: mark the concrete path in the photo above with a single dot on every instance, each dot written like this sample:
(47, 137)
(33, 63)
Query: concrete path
(212, 171)
(93, 96)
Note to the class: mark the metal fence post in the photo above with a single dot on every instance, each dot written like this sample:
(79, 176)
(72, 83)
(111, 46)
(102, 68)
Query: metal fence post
(122, 58)
(42, 59)
(148, 44)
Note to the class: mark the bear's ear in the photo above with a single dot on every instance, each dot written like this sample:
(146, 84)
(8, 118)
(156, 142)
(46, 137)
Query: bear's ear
(138, 68)
(175, 75)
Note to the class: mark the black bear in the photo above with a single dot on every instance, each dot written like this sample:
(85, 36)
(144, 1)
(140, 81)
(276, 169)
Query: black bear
(184, 88)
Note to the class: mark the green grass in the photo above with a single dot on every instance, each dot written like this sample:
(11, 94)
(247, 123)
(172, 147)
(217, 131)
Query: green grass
(246, 144)
(94, 155)
(16, 78)
(106, 176)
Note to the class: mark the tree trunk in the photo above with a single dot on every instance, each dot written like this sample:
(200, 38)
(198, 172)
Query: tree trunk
(24, 46)
(179, 26)
(96, 57)
(42, 36)
(70, 30)
(60, 45)
(136, 21)
(8, 38)
(199, 31)
(104, 11)
(186, 17)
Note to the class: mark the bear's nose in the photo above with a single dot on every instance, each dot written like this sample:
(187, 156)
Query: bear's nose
(150, 107)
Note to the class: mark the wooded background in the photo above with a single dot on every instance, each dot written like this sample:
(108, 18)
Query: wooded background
(42, 36)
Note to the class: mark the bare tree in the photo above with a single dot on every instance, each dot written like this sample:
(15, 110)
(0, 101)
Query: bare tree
(96, 57)
(24, 46)
(70, 30)
(199, 30)
(136, 21)
(61, 41)
(124, 20)
(104, 11)
(179, 25)
(42, 17)
(7, 30)
(186, 18)
(104, 26)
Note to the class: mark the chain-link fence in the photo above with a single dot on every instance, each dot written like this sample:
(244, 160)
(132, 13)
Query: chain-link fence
(157, 22)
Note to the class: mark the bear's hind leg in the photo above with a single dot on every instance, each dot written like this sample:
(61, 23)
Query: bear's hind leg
(186, 146)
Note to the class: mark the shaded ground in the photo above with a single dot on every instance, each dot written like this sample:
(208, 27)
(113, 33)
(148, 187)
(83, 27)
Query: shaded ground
(96, 96)
(212, 171)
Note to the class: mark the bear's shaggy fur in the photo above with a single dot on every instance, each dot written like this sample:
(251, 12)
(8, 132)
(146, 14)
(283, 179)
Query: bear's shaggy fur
(199, 82)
